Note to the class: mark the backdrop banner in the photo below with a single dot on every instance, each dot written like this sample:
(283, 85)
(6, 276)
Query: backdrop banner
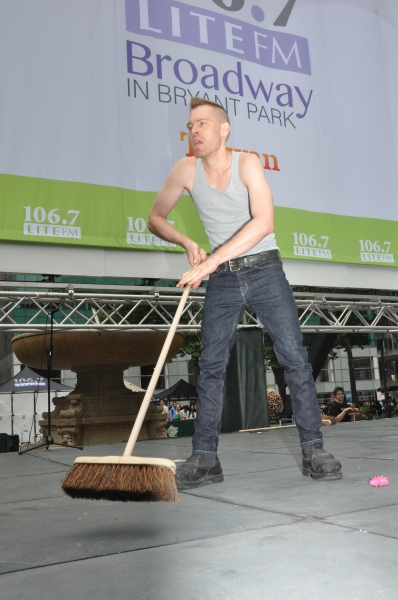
(95, 99)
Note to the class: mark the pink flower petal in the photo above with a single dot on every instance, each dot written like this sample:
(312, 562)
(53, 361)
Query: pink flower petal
(378, 481)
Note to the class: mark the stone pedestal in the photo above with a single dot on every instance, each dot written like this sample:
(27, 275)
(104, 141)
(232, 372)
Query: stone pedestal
(100, 410)
(81, 420)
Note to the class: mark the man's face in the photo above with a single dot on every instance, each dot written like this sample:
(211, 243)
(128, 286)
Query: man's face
(161, 402)
(206, 133)
(175, 404)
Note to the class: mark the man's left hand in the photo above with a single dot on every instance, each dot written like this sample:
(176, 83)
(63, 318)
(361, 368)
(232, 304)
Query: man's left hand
(195, 275)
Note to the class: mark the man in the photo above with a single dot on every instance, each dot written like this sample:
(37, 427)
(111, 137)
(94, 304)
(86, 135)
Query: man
(235, 204)
(339, 409)
(185, 411)
(164, 408)
(173, 411)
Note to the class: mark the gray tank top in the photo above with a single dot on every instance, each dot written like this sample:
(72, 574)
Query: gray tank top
(224, 213)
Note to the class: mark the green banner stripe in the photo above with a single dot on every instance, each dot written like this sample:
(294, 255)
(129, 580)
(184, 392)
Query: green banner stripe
(62, 212)
(336, 238)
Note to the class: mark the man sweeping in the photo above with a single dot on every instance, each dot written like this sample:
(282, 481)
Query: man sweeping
(234, 202)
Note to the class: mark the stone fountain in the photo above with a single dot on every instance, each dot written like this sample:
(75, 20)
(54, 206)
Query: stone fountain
(101, 410)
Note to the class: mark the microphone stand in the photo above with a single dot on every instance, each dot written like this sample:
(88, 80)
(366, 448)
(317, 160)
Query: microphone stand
(49, 439)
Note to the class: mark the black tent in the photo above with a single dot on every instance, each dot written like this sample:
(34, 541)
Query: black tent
(29, 385)
(182, 390)
(28, 381)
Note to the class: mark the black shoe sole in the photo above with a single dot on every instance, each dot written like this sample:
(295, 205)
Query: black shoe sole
(189, 485)
(321, 476)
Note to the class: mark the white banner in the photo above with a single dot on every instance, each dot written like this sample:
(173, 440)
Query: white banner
(95, 100)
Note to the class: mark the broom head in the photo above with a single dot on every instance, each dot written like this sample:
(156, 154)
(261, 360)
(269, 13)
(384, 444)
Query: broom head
(122, 478)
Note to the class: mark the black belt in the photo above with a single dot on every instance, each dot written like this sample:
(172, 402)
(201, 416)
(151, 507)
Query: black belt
(235, 264)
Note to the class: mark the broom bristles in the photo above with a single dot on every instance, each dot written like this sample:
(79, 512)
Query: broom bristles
(121, 482)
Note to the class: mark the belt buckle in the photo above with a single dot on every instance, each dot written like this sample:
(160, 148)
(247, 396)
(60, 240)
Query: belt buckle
(231, 266)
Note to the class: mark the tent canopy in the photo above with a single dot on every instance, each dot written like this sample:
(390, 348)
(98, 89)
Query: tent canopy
(391, 385)
(30, 381)
(180, 390)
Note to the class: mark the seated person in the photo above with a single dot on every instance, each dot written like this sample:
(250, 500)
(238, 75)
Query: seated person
(192, 411)
(173, 411)
(185, 411)
(164, 408)
(388, 406)
(179, 416)
(357, 408)
(339, 409)
(323, 409)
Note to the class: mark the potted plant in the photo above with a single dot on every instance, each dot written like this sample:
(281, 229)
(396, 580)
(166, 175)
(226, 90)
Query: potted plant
(275, 405)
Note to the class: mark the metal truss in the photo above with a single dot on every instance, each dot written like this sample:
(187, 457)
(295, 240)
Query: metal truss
(25, 307)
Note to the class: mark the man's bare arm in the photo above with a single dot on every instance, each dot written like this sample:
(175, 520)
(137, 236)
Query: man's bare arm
(165, 201)
(261, 224)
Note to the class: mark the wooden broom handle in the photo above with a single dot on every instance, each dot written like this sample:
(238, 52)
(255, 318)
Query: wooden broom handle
(154, 379)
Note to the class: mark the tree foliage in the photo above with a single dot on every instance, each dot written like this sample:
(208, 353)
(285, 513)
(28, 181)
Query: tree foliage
(192, 346)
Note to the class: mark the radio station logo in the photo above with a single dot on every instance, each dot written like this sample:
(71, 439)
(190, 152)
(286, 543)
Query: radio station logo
(138, 234)
(311, 246)
(21, 382)
(209, 30)
(277, 103)
(39, 222)
(375, 252)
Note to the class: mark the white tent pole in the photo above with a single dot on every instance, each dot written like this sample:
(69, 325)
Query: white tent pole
(12, 413)
(34, 414)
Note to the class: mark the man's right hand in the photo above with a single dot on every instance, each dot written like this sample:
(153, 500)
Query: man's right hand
(195, 254)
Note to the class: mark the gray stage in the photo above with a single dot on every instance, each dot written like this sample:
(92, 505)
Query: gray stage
(266, 532)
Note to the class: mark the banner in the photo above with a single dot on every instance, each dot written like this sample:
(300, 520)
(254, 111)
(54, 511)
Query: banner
(95, 101)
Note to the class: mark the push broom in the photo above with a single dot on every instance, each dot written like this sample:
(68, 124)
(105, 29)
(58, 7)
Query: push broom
(129, 478)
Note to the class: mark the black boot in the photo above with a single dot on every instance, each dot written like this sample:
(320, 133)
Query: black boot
(320, 464)
(199, 469)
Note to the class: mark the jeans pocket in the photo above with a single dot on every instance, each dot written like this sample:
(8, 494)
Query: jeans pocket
(219, 271)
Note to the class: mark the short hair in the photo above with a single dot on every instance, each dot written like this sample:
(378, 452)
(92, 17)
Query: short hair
(338, 389)
(221, 112)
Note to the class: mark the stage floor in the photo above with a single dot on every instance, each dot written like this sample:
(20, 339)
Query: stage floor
(266, 532)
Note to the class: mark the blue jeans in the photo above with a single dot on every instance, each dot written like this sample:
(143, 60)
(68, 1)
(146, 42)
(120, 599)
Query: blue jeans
(265, 289)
